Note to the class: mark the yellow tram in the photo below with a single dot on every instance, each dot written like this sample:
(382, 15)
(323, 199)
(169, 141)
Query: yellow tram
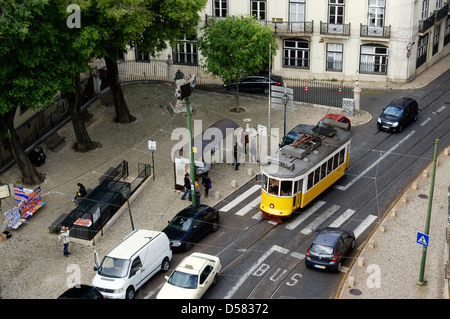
(299, 172)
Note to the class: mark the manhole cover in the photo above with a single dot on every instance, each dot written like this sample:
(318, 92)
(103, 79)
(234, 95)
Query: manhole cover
(356, 292)
(423, 196)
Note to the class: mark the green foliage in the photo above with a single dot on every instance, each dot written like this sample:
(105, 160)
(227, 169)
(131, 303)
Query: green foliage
(235, 47)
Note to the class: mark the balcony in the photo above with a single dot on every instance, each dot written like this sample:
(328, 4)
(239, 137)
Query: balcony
(441, 13)
(375, 32)
(281, 27)
(435, 17)
(334, 29)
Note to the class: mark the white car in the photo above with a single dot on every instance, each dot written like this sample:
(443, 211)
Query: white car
(192, 277)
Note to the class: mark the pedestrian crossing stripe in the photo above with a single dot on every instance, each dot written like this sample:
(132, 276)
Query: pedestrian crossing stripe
(322, 217)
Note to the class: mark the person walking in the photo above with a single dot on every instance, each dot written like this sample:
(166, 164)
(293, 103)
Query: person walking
(187, 187)
(65, 237)
(206, 182)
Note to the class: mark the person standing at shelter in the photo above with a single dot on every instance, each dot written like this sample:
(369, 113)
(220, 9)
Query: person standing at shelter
(65, 237)
(206, 182)
(187, 187)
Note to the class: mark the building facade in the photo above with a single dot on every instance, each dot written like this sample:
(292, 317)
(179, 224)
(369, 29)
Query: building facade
(381, 41)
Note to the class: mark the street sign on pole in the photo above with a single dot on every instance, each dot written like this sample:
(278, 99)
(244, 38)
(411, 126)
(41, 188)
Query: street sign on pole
(281, 95)
(423, 239)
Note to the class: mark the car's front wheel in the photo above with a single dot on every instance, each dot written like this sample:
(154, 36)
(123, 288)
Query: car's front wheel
(215, 226)
(165, 265)
(130, 293)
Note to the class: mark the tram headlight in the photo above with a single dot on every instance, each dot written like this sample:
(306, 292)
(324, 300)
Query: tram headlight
(272, 205)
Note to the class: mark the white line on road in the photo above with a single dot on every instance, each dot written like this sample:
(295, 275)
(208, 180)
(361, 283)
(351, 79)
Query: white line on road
(343, 218)
(238, 199)
(243, 278)
(319, 220)
(354, 180)
(365, 223)
(305, 215)
(249, 207)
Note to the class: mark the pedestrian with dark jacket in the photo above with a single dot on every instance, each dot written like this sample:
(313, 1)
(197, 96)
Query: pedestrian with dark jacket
(187, 187)
(206, 182)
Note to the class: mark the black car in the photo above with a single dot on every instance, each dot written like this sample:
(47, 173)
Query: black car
(398, 114)
(329, 248)
(190, 225)
(255, 84)
(293, 134)
(81, 292)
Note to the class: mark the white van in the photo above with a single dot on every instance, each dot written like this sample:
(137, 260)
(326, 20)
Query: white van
(131, 263)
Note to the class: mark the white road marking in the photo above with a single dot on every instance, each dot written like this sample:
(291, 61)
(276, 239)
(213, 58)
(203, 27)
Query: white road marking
(354, 180)
(248, 207)
(300, 219)
(365, 223)
(239, 199)
(319, 220)
(244, 277)
(343, 218)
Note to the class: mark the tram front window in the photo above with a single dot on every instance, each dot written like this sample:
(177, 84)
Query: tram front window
(286, 188)
(265, 182)
(273, 186)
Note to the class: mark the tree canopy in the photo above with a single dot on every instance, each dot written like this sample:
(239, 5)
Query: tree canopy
(235, 47)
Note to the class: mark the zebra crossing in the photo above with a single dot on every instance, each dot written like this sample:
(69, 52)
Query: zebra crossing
(318, 212)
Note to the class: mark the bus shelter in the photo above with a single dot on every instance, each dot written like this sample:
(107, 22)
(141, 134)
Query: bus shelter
(97, 208)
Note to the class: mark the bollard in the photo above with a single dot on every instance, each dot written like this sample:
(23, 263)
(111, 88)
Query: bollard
(216, 195)
(351, 282)
(371, 244)
(233, 183)
(394, 212)
(361, 261)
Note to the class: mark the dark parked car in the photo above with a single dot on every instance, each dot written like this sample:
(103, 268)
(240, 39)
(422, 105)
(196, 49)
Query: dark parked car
(329, 248)
(190, 225)
(81, 292)
(255, 84)
(293, 134)
(398, 114)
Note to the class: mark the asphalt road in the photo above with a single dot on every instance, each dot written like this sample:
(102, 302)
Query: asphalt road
(262, 259)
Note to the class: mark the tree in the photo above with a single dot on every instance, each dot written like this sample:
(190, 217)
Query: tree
(235, 47)
(40, 57)
(146, 24)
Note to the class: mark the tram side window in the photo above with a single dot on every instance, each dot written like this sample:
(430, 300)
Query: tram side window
(323, 170)
(341, 156)
(273, 186)
(310, 180)
(286, 188)
(316, 175)
(335, 161)
(330, 165)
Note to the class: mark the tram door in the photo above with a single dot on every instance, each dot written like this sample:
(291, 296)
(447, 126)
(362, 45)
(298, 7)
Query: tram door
(297, 194)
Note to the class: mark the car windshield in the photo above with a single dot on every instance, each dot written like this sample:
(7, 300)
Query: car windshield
(181, 223)
(114, 267)
(393, 111)
(320, 249)
(183, 280)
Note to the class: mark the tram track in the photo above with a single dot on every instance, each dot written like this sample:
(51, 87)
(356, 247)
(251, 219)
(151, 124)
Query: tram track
(363, 207)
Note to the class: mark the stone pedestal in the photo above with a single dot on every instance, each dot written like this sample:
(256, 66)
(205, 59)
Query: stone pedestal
(178, 105)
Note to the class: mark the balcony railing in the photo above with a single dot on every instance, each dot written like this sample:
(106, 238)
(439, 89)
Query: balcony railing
(280, 26)
(334, 29)
(375, 32)
(435, 17)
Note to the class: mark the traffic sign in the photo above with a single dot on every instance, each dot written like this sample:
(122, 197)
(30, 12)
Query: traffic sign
(422, 239)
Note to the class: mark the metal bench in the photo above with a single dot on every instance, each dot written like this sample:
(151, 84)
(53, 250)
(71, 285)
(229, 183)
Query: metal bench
(55, 225)
(54, 140)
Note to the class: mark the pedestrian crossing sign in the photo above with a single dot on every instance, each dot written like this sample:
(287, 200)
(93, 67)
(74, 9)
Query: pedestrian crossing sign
(422, 239)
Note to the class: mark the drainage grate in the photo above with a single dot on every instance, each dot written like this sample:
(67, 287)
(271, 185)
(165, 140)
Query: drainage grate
(423, 196)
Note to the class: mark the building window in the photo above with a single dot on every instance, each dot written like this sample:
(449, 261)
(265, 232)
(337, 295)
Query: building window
(425, 9)
(258, 9)
(334, 57)
(220, 8)
(447, 32)
(438, 4)
(374, 59)
(141, 56)
(437, 33)
(297, 10)
(422, 50)
(296, 53)
(185, 52)
(376, 13)
(336, 11)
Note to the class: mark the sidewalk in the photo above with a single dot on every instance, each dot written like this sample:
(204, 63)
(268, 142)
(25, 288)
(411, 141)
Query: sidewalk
(388, 265)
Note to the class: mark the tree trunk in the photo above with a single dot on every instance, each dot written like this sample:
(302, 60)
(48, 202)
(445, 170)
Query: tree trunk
(122, 113)
(30, 176)
(236, 98)
(84, 142)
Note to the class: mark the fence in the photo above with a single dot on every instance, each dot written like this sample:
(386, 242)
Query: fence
(327, 93)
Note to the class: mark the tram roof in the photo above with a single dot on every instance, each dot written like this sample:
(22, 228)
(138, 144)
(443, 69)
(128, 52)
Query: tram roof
(291, 161)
